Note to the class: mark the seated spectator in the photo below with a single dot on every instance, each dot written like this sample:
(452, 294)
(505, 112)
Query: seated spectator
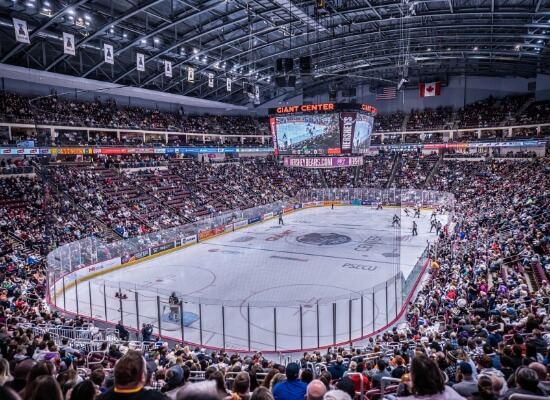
(527, 381)
(43, 387)
(292, 388)
(315, 390)
(465, 384)
(241, 386)
(130, 375)
(382, 372)
(427, 381)
(485, 390)
(337, 370)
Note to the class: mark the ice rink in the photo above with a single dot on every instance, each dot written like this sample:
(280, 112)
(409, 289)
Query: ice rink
(325, 276)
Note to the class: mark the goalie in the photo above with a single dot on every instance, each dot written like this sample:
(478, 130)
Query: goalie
(174, 303)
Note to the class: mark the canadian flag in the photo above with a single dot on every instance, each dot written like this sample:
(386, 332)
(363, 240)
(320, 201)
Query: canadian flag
(430, 89)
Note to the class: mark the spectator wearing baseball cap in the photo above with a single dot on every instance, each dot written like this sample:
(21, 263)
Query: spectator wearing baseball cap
(466, 385)
(292, 388)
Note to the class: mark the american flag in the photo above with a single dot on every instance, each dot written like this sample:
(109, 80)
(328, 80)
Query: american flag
(386, 93)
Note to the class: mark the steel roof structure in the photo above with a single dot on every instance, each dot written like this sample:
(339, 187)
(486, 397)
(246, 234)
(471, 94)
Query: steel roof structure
(351, 42)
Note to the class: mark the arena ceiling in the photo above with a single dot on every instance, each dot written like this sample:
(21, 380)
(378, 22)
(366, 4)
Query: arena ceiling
(351, 42)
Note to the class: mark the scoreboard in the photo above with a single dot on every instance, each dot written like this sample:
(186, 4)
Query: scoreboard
(321, 129)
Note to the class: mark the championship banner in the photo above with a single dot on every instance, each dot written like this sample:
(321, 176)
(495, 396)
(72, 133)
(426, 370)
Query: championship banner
(21, 31)
(347, 130)
(140, 62)
(109, 54)
(210, 80)
(190, 74)
(323, 162)
(256, 94)
(228, 83)
(168, 68)
(68, 44)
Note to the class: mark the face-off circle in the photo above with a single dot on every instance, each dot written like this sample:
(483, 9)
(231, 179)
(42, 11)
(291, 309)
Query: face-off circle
(323, 239)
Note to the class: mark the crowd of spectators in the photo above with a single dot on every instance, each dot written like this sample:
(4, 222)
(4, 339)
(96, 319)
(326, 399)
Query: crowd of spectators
(376, 171)
(490, 112)
(56, 110)
(482, 312)
(430, 119)
(537, 112)
(389, 122)
(414, 170)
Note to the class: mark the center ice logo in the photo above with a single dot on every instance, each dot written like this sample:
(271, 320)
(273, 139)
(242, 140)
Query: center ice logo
(323, 239)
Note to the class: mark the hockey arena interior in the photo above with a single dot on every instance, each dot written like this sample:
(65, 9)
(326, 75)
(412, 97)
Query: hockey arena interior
(287, 200)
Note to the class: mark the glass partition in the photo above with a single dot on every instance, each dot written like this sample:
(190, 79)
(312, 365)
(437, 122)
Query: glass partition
(76, 286)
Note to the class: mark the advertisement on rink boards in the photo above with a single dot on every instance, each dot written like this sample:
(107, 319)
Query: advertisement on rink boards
(90, 269)
(137, 255)
(186, 240)
(162, 247)
(211, 232)
(254, 220)
(239, 224)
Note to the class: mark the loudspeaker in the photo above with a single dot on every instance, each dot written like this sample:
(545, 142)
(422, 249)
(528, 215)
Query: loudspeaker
(284, 65)
(351, 92)
(332, 95)
(291, 80)
(286, 80)
(305, 64)
(279, 65)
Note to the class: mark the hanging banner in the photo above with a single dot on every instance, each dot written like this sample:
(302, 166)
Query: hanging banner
(190, 74)
(228, 84)
(21, 31)
(140, 62)
(347, 130)
(256, 94)
(210, 80)
(68, 44)
(168, 68)
(109, 55)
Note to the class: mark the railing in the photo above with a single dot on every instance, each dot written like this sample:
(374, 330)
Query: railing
(16, 170)
(74, 285)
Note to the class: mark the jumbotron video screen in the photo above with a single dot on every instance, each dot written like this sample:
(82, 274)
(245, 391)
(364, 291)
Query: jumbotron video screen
(322, 134)
(307, 134)
(363, 133)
